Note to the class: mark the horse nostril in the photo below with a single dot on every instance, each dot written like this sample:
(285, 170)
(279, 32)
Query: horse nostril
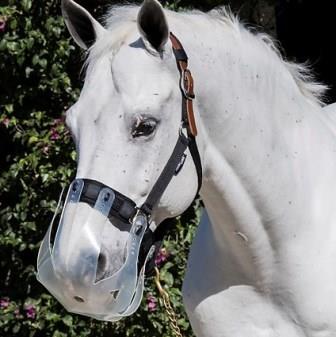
(79, 299)
(115, 294)
(143, 194)
(101, 266)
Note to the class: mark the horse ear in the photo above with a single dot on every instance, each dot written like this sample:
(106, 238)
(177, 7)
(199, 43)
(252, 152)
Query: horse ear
(152, 24)
(84, 29)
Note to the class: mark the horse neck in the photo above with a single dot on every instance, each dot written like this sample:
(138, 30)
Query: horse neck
(253, 118)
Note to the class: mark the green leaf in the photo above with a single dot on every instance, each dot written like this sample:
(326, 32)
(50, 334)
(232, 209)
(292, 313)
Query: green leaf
(13, 24)
(16, 328)
(26, 5)
(67, 320)
(32, 139)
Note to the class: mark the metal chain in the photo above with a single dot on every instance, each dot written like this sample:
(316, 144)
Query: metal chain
(169, 309)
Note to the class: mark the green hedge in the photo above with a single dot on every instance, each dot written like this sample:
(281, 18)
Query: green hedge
(39, 79)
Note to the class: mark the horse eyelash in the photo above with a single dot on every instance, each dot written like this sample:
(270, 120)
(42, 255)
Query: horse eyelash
(139, 119)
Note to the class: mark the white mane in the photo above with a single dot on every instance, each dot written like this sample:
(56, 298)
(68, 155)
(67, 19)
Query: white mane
(122, 21)
(302, 73)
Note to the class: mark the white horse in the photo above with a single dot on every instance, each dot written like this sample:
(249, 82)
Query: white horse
(266, 263)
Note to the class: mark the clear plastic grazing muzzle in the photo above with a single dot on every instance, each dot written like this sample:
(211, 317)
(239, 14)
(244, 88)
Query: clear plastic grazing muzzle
(68, 264)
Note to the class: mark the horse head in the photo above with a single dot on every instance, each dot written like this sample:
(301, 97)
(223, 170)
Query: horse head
(134, 166)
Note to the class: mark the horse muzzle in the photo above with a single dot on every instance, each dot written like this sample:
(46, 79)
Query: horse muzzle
(78, 266)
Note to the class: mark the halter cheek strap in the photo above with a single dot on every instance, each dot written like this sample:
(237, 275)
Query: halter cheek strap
(188, 116)
(186, 84)
(178, 157)
(176, 160)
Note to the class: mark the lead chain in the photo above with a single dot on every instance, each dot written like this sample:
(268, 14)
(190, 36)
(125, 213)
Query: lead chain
(168, 307)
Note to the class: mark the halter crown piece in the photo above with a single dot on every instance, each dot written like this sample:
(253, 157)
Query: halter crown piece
(80, 287)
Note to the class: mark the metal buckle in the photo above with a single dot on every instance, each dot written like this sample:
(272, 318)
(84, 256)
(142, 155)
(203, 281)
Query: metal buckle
(187, 84)
(140, 222)
(140, 212)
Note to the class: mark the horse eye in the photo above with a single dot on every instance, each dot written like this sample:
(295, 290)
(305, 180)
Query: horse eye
(143, 127)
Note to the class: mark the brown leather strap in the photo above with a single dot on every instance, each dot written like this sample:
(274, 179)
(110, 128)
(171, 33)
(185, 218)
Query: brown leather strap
(187, 82)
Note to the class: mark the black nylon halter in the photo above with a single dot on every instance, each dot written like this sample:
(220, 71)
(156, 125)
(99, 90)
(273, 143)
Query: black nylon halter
(173, 166)
(124, 208)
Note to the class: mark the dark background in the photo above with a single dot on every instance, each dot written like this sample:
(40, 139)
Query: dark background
(306, 30)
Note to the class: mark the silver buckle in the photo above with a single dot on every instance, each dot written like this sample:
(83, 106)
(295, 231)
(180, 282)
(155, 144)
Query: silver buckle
(183, 79)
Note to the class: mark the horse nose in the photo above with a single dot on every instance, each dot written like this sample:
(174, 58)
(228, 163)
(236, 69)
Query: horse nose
(109, 263)
(101, 266)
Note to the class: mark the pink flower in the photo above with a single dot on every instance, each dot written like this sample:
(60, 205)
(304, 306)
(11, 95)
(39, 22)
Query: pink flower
(2, 24)
(151, 303)
(54, 134)
(161, 257)
(30, 311)
(4, 303)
